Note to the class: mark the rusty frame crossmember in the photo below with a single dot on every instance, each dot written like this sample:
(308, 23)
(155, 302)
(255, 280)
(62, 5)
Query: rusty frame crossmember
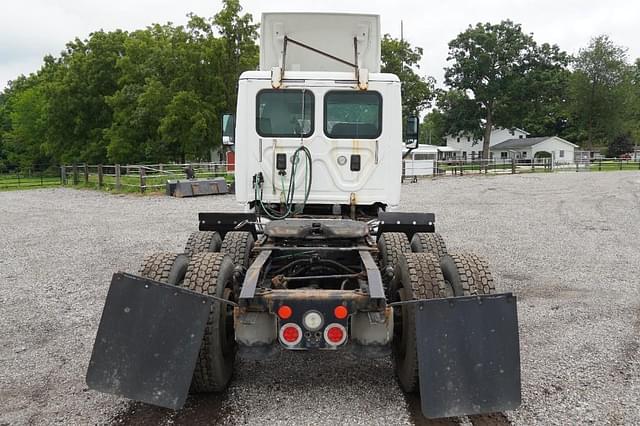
(250, 284)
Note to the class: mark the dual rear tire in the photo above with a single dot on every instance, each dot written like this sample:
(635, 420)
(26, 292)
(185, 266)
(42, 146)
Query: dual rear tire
(427, 271)
(207, 267)
(392, 244)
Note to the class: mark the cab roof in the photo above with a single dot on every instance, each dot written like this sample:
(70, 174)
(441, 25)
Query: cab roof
(319, 76)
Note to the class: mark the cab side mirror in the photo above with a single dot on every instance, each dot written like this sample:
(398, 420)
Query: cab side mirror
(228, 129)
(411, 132)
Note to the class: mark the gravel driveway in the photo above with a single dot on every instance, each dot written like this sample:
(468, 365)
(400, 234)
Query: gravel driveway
(568, 244)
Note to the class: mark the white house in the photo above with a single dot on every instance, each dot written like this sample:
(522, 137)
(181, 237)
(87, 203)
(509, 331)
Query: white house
(506, 143)
(559, 150)
(469, 147)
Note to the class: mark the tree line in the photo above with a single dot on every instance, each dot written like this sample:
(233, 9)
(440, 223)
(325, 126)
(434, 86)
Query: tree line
(152, 95)
(158, 94)
(500, 76)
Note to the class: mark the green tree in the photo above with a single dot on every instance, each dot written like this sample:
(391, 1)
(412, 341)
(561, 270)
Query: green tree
(399, 58)
(461, 113)
(24, 118)
(620, 145)
(78, 112)
(240, 51)
(433, 128)
(538, 99)
(597, 91)
(498, 76)
(176, 83)
(28, 128)
(189, 125)
(632, 101)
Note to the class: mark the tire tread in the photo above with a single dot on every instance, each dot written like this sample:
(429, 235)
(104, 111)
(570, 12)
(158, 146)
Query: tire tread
(202, 241)
(237, 245)
(157, 266)
(428, 242)
(202, 276)
(425, 279)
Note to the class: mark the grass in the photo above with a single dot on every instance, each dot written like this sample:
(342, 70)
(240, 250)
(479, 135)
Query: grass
(607, 166)
(13, 182)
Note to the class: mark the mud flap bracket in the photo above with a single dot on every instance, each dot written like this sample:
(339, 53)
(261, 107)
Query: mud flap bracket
(148, 341)
(468, 355)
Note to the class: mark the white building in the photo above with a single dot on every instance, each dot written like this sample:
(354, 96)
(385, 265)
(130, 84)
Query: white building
(506, 144)
(470, 148)
(559, 150)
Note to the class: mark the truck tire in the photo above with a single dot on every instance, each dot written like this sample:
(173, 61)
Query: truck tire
(238, 245)
(466, 275)
(203, 241)
(428, 241)
(212, 273)
(419, 275)
(165, 267)
(390, 246)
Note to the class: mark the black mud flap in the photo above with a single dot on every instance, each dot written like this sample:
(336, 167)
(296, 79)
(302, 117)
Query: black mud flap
(148, 341)
(468, 355)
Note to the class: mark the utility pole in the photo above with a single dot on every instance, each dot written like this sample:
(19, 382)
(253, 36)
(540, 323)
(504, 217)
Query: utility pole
(401, 45)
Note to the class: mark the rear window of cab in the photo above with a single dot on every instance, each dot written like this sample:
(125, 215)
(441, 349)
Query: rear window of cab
(352, 115)
(285, 113)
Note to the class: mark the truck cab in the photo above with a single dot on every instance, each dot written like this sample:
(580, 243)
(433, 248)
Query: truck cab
(319, 86)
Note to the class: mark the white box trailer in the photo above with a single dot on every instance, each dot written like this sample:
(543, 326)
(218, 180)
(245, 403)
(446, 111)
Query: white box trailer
(420, 161)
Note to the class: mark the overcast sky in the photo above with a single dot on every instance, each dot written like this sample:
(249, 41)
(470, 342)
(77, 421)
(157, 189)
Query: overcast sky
(30, 29)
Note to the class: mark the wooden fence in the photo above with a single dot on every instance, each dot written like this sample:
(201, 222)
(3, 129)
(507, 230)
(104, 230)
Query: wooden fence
(138, 177)
(439, 168)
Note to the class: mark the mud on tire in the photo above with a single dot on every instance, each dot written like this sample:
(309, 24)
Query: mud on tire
(467, 274)
(165, 267)
(428, 242)
(419, 275)
(203, 241)
(237, 245)
(211, 273)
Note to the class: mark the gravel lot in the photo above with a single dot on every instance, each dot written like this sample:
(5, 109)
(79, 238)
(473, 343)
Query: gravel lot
(567, 244)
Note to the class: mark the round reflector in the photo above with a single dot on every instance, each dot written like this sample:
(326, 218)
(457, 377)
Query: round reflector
(290, 334)
(285, 312)
(340, 312)
(335, 334)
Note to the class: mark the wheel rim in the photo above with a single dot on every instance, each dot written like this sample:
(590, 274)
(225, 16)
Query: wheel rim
(226, 318)
(399, 326)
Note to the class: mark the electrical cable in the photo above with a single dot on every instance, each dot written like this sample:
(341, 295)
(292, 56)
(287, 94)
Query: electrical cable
(290, 207)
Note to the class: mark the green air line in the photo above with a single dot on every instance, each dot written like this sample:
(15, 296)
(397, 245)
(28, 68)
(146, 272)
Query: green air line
(289, 196)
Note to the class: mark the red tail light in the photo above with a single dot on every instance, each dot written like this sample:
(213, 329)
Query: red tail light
(335, 334)
(290, 334)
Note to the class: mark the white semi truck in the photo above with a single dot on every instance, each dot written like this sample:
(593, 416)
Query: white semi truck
(319, 258)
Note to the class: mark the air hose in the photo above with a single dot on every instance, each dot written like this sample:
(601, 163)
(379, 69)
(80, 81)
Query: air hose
(290, 208)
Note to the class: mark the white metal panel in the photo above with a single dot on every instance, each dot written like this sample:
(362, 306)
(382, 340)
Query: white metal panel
(418, 167)
(330, 32)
